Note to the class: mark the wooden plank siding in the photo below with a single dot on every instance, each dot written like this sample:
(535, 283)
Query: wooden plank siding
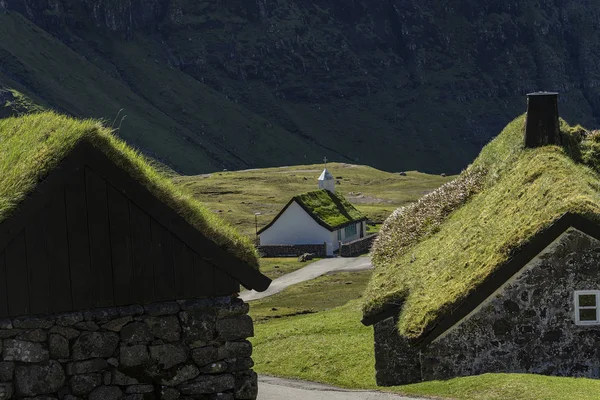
(89, 245)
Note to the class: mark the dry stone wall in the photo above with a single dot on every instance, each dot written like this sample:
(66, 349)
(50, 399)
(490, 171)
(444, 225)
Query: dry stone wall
(291, 250)
(189, 349)
(356, 247)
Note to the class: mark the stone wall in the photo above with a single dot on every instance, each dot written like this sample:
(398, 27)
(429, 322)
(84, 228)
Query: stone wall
(528, 326)
(289, 250)
(357, 247)
(190, 349)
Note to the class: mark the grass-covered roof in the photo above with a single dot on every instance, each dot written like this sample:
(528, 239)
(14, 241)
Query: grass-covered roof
(31, 146)
(433, 253)
(331, 209)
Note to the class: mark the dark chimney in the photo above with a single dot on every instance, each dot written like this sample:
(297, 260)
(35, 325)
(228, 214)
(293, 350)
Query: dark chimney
(542, 126)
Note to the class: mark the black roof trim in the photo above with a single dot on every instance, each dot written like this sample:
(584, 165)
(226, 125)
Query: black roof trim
(496, 279)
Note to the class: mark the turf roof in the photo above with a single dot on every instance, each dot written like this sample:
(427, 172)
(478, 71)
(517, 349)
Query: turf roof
(517, 193)
(330, 210)
(31, 146)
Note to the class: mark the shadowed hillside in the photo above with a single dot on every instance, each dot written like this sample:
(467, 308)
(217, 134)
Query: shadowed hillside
(398, 84)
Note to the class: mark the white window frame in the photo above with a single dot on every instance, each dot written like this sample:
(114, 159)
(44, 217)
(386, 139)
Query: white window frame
(578, 307)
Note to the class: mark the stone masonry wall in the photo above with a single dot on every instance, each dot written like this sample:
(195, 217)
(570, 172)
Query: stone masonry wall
(356, 247)
(289, 250)
(530, 325)
(189, 349)
(396, 361)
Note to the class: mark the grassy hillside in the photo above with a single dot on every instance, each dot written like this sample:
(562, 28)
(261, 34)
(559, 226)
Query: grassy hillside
(168, 114)
(234, 84)
(238, 195)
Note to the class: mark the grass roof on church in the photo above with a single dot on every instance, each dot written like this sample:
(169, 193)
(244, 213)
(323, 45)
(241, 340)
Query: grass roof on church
(332, 210)
(432, 254)
(33, 145)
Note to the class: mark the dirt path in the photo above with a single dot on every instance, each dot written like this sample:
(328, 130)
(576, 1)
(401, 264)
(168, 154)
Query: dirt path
(270, 388)
(311, 271)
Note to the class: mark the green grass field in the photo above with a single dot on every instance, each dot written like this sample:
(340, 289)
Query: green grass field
(238, 195)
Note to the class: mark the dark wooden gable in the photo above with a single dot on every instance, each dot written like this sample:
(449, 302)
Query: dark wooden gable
(91, 236)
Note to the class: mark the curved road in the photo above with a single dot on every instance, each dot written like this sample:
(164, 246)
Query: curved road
(270, 388)
(311, 271)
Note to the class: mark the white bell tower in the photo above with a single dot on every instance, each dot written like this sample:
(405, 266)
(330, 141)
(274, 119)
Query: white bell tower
(326, 181)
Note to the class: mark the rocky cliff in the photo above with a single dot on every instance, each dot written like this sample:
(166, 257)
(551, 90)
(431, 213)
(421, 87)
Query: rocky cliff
(397, 84)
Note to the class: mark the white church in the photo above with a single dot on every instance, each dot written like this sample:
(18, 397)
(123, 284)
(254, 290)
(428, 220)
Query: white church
(317, 217)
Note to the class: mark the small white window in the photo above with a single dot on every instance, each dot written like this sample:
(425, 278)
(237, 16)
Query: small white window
(587, 307)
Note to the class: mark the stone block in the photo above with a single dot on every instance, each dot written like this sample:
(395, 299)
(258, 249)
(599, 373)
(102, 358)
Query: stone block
(235, 328)
(205, 355)
(139, 389)
(84, 384)
(136, 332)
(197, 326)
(19, 350)
(90, 326)
(215, 368)
(117, 324)
(9, 333)
(106, 393)
(158, 309)
(137, 396)
(168, 355)
(7, 369)
(232, 308)
(246, 386)
(95, 344)
(180, 374)
(235, 349)
(169, 393)
(35, 335)
(239, 364)
(45, 322)
(65, 332)
(197, 304)
(58, 346)
(134, 355)
(166, 328)
(86, 367)
(33, 380)
(6, 391)
(101, 315)
(69, 319)
(6, 324)
(208, 384)
(119, 378)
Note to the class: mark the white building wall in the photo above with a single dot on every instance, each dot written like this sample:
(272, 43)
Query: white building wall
(295, 226)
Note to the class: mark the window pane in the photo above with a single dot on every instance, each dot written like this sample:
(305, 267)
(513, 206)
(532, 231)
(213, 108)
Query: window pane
(587, 314)
(587, 300)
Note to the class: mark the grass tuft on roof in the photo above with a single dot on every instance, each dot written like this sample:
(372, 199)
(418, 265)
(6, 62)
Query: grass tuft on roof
(31, 146)
(519, 193)
(332, 209)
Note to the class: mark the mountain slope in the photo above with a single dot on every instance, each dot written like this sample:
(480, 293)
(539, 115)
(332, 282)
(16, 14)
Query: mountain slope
(398, 84)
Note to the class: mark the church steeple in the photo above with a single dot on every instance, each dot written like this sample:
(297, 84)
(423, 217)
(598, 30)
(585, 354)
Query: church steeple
(326, 181)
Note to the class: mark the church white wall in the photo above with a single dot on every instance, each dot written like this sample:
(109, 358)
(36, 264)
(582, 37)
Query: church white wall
(295, 226)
